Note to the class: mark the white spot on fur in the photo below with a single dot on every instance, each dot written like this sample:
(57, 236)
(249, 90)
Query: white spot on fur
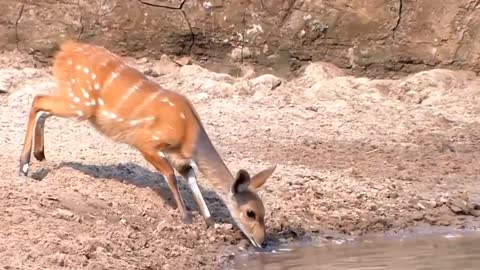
(100, 102)
(134, 122)
(85, 93)
(73, 80)
(171, 104)
(110, 115)
(86, 70)
(96, 86)
(94, 76)
(79, 113)
(76, 99)
(155, 137)
(165, 99)
(142, 120)
(182, 115)
(70, 61)
(113, 75)
(78, 67)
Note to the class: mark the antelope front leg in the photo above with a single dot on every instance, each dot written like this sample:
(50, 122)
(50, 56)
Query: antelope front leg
(162, 165)
(41, 104)
(188, 173)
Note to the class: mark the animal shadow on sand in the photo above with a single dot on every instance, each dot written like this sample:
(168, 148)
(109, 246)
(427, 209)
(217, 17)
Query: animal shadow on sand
(131, 173)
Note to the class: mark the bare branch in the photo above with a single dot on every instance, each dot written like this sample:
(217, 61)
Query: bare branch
(80, 20)
(242, 43)
(108, 12)
(162, 6)
(16, 25)
(180, 8)
(192, 35)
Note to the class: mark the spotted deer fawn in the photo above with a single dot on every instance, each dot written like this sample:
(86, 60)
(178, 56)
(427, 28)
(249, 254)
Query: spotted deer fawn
(122, 103)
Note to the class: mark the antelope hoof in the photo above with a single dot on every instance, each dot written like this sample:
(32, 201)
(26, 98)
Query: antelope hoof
(187, 218)
(40, 155)
(209, 221)
(23, 170)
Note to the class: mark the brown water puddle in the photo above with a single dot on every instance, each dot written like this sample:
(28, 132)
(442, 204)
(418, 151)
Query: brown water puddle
(439, 250)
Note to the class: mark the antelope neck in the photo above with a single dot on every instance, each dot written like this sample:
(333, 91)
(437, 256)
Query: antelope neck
(211, 165)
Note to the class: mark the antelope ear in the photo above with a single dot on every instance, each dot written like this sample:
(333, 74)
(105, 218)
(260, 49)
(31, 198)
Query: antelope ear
(242, 182)
(260, 178)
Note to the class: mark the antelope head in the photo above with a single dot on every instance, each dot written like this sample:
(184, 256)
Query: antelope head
(246, 207)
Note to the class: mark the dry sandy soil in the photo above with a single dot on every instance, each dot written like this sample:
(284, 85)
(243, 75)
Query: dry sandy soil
(355, 156)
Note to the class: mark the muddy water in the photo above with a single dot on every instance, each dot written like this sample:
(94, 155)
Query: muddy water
(459, 251)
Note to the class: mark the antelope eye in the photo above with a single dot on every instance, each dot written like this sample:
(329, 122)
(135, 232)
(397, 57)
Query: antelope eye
(250, 214)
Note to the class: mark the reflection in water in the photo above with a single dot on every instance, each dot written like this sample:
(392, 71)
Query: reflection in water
(461, 252)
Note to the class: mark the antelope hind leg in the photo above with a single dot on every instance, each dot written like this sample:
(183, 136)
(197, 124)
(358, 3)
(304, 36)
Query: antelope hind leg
(41, 104)
(39, 145)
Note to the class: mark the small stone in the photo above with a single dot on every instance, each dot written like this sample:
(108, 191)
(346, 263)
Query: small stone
(392, 195)
(211, 233)
(227, 227)
(142, 60)
(18, 219)
(238, 54)
(243, 244)
(283, 240)
(444, 221)
(202, 96)
(100, 222)
(418, 216)
(165, 66)
(456, 209)
(150, 72)
(431, 219)
(64, 214)
(421, 206)
(59, 259)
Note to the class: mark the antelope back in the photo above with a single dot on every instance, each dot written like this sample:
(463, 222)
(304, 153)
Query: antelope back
(118, 99)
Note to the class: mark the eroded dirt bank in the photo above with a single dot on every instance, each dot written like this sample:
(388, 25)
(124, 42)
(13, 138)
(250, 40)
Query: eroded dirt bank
(369, 37)
(354, 156)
